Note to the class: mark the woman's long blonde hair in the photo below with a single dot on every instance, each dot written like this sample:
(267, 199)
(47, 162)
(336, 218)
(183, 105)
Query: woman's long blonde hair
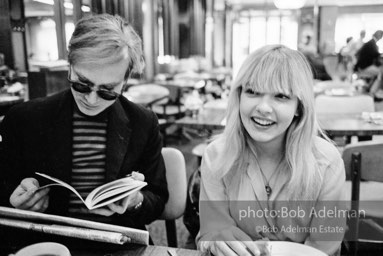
(276, 68)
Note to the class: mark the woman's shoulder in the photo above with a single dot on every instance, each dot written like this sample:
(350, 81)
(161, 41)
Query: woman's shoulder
(212, 153)
(325, 152)
(215, 147)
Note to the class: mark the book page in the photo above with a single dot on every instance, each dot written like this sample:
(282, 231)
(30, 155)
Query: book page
(110, 197)
(112, 192)
(61, 183)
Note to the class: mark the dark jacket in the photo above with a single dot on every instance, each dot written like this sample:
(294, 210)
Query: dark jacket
(37, 137)
(368, 55)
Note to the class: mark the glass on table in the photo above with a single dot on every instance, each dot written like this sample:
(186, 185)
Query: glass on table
(193, 103)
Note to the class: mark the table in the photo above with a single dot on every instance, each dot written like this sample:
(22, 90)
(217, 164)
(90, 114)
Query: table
(210, 119)
(6, 102)
(141, 251)
(348, 125)
(333, 124)
(147, 94)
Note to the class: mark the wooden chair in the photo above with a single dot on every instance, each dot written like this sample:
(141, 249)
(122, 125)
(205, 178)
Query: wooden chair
(177, 186)
(364, 172)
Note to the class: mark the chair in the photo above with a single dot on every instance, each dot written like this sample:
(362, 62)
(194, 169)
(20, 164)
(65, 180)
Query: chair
(364, 172)
(177, 185)
(173, 108)
(147, 95)
(170, 111)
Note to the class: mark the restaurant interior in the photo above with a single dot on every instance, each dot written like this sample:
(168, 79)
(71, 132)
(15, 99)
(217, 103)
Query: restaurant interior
(193, 50)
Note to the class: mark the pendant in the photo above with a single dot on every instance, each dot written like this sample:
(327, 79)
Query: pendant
(268, 190)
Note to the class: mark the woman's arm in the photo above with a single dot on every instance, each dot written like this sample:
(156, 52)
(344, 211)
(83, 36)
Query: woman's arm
(218, 230)
(332, 199)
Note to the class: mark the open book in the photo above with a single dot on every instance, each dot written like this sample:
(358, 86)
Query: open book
(105, 194)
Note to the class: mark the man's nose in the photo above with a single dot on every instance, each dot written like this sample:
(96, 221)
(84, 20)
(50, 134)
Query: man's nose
(92, 97)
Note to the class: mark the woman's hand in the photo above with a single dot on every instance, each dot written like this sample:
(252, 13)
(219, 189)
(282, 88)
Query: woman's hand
(126, 204)
(27, 196)
(231, 242)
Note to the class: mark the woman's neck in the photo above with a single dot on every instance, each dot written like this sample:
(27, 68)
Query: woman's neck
(272, 151)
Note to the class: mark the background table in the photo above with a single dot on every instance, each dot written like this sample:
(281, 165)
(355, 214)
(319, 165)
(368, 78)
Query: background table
(212, 119)
(348, 125)
(6, 102)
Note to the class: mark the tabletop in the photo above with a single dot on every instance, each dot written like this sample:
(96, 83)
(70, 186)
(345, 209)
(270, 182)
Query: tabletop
(211, 119)
(349, 125)
(142, 251)
(6, 100)
(147, 94)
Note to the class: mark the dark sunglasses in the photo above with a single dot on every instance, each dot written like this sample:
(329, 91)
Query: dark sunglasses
(85, 88)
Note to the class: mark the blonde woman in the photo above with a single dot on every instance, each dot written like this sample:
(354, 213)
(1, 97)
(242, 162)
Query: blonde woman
(270, 157)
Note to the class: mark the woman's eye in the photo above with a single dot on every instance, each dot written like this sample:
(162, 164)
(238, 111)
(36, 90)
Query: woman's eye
(282, 96)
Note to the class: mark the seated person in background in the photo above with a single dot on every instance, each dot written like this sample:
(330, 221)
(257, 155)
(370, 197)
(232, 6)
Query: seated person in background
(269, 155)
(87, 135)
(368, 61)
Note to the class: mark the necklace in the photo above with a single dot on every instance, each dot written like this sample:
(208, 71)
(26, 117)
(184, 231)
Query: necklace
(266, 181)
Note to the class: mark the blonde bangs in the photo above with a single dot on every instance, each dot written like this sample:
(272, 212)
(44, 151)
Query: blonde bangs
(282, 78)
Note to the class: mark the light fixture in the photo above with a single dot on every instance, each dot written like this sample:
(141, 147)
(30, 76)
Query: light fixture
(289, 4)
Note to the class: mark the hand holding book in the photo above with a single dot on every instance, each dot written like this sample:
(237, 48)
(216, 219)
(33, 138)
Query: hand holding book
(131, 202)
(27, 196)
(108, 193)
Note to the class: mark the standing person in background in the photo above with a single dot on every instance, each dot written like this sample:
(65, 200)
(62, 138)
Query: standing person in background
(87, 135)
(345, 60)
(355, 47)
(269, 156)
(368, 62)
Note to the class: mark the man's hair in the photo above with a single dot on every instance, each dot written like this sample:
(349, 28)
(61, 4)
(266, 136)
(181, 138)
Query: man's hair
(104, 39)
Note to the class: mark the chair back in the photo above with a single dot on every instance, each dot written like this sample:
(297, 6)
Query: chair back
(177, 184)
(363, 163)
(344, 104)
(371, 164)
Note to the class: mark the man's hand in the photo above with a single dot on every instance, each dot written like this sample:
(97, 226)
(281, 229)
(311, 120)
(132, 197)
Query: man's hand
(26, 196)
(127, 203)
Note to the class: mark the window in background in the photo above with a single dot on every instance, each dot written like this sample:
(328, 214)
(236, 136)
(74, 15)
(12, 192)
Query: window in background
(254, 29)
(351, 24)
(41, 28)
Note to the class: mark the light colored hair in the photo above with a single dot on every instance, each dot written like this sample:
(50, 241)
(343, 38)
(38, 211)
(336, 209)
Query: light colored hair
(103, 39)
(276, 68)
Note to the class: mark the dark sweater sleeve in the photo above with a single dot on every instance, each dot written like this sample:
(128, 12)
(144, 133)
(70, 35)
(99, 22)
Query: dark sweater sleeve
(10, 161)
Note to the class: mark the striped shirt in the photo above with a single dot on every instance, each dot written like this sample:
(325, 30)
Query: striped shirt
(88, 157)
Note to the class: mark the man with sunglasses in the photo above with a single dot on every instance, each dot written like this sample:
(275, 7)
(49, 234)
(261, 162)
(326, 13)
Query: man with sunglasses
(87, 135)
